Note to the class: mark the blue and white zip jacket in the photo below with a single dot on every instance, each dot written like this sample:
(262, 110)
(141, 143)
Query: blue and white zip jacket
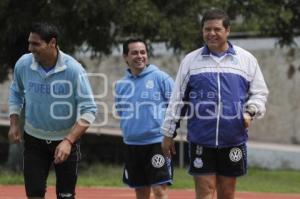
(141, 102)
(213, 92)
(54, 100)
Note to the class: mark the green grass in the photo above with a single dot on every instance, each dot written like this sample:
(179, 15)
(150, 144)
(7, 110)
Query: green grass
(10, 178)
(277, 181)
(101, 175)
(257, 180)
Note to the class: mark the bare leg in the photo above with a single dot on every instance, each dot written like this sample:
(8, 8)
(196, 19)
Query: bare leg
(160, 191)
(143, 193)
(205, 186)
(226, 187)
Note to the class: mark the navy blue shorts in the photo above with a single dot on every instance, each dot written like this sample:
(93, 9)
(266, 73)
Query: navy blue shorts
(145, 165)
(38, 158)
(229, 161)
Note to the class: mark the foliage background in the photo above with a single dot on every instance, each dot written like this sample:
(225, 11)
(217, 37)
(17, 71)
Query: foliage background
(100, 25)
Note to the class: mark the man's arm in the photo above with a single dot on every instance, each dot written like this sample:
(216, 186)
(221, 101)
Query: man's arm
(63, 150)
(15, 103)
(87, 112)
(14, 134)
(174, 110)
(258, 93)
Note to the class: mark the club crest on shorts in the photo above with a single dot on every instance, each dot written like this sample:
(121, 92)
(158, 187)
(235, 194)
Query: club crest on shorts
(199, 150)
(158, 161)
(150, 84)
(198, 163)
(235, 154)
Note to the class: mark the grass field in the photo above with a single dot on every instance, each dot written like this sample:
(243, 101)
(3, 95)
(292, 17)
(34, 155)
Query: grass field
(257, 180)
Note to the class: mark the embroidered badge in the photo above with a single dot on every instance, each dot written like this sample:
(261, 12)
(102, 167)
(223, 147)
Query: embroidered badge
(235, 61)
(158, 161)
(198, 163)
(199, 150)
(235, 154)
(150, 84)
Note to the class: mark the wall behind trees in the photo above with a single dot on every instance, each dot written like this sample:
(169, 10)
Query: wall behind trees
(281, 69)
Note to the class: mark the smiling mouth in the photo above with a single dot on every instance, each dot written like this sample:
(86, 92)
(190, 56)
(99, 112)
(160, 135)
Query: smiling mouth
(212, 40)
(139, 61)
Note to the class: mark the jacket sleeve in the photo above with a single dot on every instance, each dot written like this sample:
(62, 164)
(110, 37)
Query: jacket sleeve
(258, 92)
(117, 100)
(16, 94)
(176, 103)
(87, 108)
(168, 85)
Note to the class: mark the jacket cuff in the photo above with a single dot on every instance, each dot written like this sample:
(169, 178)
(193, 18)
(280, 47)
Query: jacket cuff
(167, 134)
(89, 117)
(15, 110)
(252, 110)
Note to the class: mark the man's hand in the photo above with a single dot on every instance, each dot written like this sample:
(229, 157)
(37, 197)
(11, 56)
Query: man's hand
(168, 146)
(14, 134)
(62, 151)
(247, 120)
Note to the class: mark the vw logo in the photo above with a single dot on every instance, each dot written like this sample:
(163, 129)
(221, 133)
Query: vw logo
(235, 154)
(158, 161)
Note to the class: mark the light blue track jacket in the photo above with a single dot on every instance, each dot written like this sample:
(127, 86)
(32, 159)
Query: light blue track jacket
(54, 101)
(141, 102)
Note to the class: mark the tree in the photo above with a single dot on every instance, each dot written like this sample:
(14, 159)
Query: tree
(279, 18)
(87, 22)
(99, 25)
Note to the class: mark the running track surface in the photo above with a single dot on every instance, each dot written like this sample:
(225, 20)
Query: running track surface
(17, 192)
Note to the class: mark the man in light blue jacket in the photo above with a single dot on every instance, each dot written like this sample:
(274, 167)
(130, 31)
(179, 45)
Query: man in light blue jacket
(59, 109)
(141, 100)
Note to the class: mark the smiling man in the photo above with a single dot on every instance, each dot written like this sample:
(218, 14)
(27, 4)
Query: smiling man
(222, 89)
(59, 107)
(141, 100)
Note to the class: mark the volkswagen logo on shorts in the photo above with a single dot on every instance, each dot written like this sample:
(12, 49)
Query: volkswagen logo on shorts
(158, 161)
(235, 154)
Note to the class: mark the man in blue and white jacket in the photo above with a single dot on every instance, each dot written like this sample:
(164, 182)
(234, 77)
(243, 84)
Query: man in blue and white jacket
(141, 100)
(220, 88)
(54, 90)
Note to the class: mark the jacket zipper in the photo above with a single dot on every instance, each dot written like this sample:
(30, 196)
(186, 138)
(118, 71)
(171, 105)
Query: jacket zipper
(219, 105)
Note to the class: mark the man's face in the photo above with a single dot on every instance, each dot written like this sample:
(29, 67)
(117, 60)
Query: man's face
(39, 48)
(137, 57)
(215, 35)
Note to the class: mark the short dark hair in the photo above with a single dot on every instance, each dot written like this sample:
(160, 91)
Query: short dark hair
(216, 14)
(132, 40)
(45, 31)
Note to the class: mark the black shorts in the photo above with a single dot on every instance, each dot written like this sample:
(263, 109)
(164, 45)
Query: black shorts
(230, 162)
(38, 157)
(145, 165)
